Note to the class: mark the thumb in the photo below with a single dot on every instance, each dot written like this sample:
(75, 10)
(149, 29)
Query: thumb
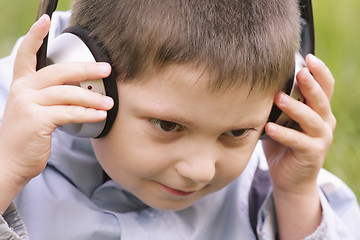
(25, 61)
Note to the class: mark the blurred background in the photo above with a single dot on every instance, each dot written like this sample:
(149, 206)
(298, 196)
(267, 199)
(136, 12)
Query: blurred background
(337, 34)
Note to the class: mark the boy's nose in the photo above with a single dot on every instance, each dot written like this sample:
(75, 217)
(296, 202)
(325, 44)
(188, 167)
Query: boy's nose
(198, 165)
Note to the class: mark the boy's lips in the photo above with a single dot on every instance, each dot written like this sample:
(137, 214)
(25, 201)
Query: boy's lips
(176, 191)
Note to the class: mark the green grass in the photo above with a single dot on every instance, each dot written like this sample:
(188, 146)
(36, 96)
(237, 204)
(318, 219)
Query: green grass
(337, 44)
(16, 17)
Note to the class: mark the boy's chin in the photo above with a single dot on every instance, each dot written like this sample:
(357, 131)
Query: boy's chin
(169, 205)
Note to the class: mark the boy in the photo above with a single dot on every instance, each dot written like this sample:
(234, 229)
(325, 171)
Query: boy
(196, 83)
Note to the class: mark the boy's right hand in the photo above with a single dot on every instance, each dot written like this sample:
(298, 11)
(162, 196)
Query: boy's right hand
(37, 103)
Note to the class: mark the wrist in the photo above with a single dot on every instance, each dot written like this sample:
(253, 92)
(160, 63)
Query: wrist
(300, 191)
(298, 213)
(305, 203)
(11, 183)
(10, 188)
(11, 173)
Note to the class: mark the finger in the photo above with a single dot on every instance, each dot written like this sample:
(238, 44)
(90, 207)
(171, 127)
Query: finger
(321, 74)
(315, 97)
(25, 61)
(287, 136)
(301, 145)
(73, 95)
(62, 115)
(310, 122)
(68, 72)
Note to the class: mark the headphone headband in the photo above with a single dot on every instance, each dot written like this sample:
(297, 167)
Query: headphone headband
(45, 7)
(307, 26)
(307, 46)
(307, 23)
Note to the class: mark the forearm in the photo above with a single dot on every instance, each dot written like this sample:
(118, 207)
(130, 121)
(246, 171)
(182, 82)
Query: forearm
(298, 215)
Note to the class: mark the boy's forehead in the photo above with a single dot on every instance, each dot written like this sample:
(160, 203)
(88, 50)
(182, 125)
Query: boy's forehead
(181, 93)
(196, 77)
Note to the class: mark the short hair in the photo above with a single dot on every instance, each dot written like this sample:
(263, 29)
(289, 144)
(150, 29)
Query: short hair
(250, 42)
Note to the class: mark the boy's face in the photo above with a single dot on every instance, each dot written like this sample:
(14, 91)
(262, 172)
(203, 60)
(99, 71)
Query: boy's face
(174, 141)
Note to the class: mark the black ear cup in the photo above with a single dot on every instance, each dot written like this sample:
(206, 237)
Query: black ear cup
(75, 45)
(291, 88)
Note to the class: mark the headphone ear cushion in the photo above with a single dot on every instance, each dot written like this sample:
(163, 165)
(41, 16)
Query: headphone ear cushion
(75, 45)
(110, 84)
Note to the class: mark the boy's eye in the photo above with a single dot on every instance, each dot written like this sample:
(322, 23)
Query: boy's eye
(165, 126)
(236, 133)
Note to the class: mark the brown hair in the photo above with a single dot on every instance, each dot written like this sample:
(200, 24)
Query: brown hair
(252, 41)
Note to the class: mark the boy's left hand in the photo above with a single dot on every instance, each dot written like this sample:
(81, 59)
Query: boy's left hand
(296, 157)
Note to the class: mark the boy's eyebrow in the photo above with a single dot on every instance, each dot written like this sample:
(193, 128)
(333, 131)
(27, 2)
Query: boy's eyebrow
(163, 114)
(251, 123)
(254, 123)
(168, 115)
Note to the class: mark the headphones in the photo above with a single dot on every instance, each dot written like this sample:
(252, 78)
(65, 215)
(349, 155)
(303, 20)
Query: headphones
(307, 46)
(75, 45)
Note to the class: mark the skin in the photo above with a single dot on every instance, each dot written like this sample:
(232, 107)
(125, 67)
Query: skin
(160, 137)
(196, 149)
(25, 145)
(296, 157)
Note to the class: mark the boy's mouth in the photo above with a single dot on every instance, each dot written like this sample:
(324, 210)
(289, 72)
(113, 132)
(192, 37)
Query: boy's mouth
(176, 192)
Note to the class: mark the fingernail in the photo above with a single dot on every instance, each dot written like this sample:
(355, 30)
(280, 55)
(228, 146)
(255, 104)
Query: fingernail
(101, 113)
(312, 59)
(270, 129)
(104, 68)
(42, 18)
(108, 102)
(283, 99)
(39, 22)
